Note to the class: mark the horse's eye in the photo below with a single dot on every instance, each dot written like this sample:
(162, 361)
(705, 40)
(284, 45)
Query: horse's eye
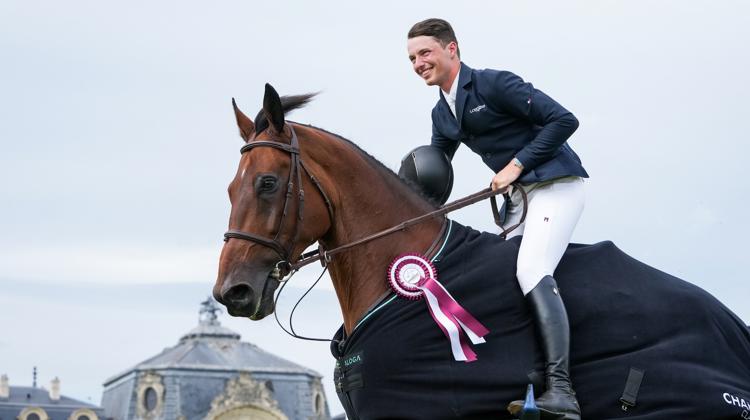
(266, 183)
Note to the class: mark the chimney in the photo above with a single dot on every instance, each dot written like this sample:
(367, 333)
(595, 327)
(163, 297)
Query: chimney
(54, 390)
(4, 387)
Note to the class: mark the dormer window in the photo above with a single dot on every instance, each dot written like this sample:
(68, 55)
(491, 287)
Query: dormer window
(150, 391)
(320, 404)
(33, 413)
(83, 414)
(150, 398)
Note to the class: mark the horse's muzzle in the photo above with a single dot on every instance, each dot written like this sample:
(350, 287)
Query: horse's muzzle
(243, 300)
(239, 300)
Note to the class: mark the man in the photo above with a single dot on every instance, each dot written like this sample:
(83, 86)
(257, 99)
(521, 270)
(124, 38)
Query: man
(520, 133)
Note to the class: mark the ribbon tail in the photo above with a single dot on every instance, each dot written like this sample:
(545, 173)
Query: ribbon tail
(474, 329)
(473, 337)
(459, 347)
(466, 347)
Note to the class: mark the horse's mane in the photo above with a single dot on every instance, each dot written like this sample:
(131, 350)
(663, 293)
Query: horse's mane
(415, 188)
(292, 102)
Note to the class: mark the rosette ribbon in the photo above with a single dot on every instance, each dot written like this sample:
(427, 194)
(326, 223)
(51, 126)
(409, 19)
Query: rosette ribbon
(413, 277)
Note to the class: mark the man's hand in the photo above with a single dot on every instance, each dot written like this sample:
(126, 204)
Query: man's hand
(505, 177)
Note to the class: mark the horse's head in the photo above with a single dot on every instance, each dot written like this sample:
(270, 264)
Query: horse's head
(266, 232)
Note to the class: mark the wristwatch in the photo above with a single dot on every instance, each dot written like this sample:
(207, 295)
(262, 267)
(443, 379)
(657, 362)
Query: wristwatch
(517, 163)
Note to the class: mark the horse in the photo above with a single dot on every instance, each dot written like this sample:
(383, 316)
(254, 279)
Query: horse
(645, 345)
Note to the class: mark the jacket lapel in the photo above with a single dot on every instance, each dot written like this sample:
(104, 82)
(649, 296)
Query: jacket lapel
(462, 93)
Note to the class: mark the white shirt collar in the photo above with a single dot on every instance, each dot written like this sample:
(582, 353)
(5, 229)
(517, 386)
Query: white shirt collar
(450, 97)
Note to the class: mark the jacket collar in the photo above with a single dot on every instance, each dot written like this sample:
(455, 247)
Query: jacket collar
(464, 80)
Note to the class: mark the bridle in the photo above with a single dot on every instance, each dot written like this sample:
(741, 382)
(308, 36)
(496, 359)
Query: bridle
(284, 265)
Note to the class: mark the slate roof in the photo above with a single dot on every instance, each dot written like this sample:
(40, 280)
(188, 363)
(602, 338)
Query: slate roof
(211, 347)
(26, 396)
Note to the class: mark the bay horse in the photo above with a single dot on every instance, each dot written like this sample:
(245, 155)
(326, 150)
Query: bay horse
(645, 345)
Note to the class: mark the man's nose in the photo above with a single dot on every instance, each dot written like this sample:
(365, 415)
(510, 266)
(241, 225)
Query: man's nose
(417, 64)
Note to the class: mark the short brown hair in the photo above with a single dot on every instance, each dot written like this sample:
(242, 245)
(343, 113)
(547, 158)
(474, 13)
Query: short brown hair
(439, 29)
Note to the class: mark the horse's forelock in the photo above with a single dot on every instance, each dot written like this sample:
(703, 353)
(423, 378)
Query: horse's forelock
(288, 104)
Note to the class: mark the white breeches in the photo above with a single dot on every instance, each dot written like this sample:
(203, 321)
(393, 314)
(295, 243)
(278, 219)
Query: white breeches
(554, 210)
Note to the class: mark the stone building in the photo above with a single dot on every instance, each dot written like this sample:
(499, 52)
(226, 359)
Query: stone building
(210, 374)
(32, 403)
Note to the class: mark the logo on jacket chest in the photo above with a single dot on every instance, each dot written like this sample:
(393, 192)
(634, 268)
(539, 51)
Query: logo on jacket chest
(477, 108)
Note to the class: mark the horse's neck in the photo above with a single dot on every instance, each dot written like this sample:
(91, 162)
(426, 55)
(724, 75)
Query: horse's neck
(360, 274)
(370, 201)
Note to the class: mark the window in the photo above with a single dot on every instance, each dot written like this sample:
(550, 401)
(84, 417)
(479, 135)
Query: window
(32, 413)
(150, 399)
(83, 414)
(320, 404)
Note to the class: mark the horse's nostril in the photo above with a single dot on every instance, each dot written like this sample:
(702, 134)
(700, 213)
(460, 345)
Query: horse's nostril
(238, 295)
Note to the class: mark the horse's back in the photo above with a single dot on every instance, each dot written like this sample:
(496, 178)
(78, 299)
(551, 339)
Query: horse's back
(627, 316)
(693, 352)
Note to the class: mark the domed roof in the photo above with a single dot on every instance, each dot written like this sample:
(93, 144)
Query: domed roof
(209, 327)
(211, 347)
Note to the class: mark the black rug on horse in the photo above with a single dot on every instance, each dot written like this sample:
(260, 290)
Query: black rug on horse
(694, 352)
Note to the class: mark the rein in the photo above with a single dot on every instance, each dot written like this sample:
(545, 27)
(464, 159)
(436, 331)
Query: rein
(297, 166)
(322, 255)
(325, 256)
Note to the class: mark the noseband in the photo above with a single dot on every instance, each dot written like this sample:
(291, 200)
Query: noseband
(295, 171)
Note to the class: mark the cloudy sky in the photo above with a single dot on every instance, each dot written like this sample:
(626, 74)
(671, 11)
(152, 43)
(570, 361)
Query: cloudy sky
(118, 142)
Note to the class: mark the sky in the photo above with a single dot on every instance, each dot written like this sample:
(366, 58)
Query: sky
(118, 143)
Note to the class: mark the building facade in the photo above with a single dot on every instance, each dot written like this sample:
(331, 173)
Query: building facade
(210, 374)
(32, 403)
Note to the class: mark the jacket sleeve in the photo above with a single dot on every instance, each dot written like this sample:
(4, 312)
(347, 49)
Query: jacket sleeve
(443, 143)
(521, 99)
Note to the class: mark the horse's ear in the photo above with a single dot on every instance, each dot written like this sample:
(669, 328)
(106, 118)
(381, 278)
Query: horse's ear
(272, 108)
(247, 128)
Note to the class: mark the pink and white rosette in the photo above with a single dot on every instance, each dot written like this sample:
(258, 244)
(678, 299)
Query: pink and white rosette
(412, 276)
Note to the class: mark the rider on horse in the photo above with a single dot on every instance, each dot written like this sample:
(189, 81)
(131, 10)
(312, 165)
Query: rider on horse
(520, 133)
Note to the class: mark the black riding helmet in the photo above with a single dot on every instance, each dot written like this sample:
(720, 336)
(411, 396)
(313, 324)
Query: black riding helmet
(430, 169)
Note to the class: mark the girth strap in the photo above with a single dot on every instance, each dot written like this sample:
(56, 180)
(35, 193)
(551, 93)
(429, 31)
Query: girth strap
(632, 385)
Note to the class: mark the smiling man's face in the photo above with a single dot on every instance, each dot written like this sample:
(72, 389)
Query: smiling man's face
(433, 62)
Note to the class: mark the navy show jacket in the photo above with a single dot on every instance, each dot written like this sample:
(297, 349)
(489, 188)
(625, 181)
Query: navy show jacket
(501, 116)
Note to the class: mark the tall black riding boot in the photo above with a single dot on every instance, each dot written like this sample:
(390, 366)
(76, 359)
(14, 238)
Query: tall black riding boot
(558, 401)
